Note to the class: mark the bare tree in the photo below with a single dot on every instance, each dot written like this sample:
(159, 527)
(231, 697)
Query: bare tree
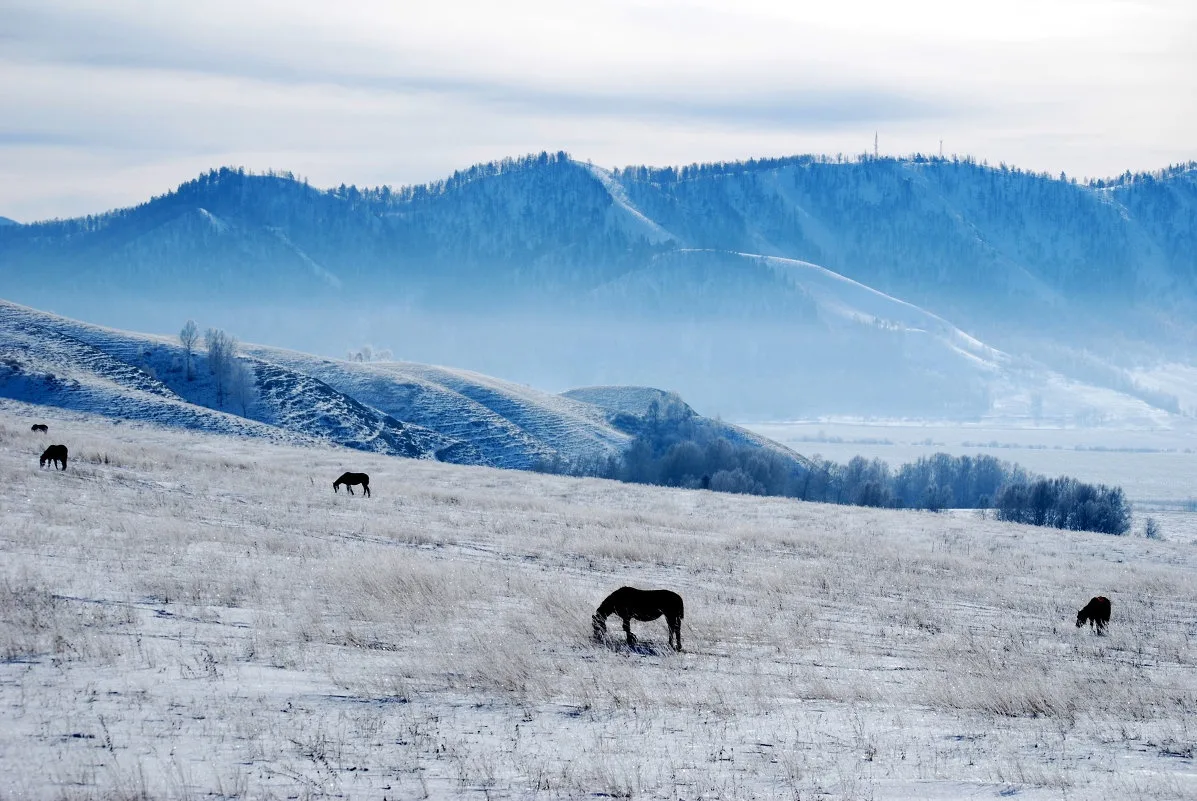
(188, 337)
(242, 386)
(222, 349)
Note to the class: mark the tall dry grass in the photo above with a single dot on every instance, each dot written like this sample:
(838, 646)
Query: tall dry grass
(188, 615)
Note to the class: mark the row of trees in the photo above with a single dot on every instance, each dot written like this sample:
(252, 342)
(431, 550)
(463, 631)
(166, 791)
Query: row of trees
(1065, 503)
(935, 482)
(231, 377)
(678, 449)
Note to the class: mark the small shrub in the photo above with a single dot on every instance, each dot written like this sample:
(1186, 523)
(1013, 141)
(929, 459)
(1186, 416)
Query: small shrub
(1151, 529)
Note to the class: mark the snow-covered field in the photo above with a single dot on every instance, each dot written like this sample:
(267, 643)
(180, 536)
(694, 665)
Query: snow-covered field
(188, 615)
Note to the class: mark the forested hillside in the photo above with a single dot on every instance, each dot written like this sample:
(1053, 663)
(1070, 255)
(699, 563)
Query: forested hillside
(948, 234)
(556, 272)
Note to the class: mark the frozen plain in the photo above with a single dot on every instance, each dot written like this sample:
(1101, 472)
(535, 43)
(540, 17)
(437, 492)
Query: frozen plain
(193, 615)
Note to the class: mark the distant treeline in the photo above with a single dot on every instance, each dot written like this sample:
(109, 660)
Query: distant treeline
(687, 452)
(1065, 503)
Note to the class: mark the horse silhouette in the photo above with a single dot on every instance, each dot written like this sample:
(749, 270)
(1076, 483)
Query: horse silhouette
(42, 427)
(56, 454)
(633, 604)
(351, 479)
(1096, 613)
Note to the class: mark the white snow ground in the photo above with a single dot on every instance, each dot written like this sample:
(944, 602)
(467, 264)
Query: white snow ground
(192, 615)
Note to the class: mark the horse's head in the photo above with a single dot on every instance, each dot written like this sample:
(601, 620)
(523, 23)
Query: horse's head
(1080, 618)
(336, 486)
(600, 627)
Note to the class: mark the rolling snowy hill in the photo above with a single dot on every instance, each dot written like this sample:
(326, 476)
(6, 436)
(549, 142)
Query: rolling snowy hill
(392, 408)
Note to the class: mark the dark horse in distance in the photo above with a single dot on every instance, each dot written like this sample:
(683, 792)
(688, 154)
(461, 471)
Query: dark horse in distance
(42, 427)
(1096, 613)
(56, 454)
(633, 604)
(352, 479)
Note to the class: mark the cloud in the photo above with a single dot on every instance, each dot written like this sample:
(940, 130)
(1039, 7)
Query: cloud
(398, 93)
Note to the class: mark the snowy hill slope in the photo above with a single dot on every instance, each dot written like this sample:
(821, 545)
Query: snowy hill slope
(40, 363)
(397, 409)
(61, 362)
(786, 289)
(630, 408)
(509, 425)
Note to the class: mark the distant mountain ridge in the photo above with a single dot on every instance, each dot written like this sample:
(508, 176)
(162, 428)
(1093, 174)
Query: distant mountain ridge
(921, 229)
(696, 256)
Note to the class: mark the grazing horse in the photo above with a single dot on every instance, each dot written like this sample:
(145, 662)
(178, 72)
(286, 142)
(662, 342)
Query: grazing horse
(1096, 613)
(633, 604)
(56, 454)
(350, 479)
(42, 427)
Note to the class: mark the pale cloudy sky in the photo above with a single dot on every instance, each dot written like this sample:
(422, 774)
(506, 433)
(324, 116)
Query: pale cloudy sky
(107, 103)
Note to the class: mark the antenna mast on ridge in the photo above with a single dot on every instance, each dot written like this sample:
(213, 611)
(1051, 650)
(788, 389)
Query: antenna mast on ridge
(874, 144)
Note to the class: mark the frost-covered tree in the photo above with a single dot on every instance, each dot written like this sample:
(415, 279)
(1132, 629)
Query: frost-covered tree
(242, 386)
(222, 349)
(1151, 529)
(187, 338)
(367, 354)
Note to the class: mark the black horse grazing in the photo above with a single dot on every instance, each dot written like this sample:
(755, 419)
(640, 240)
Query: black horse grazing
(351, 479)
(1096, 613)
(42, 427)
(56, 454)
(633, 604)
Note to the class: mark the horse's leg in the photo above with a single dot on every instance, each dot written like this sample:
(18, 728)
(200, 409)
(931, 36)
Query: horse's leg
(627, 628)
(366, 489)
(350, 488)
(675, 630)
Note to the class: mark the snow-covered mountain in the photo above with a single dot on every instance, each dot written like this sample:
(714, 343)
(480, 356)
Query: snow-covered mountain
(400, 409)
(761, 273)
(952, 236)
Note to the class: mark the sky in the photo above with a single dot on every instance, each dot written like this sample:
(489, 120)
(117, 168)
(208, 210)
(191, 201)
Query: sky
(106, 104)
